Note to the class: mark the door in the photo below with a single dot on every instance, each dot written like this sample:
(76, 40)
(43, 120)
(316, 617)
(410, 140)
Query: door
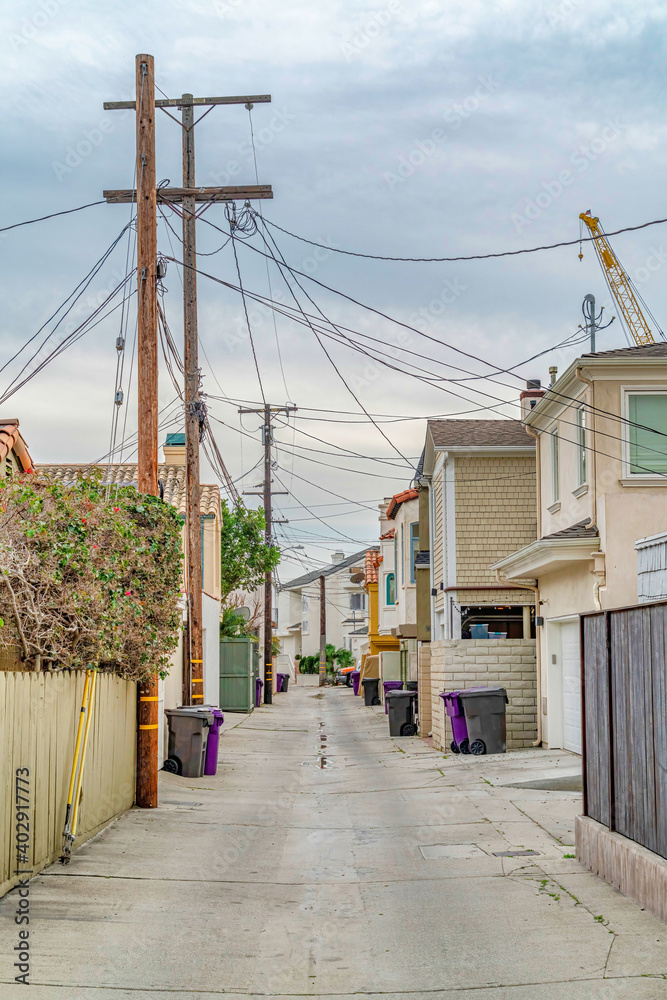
(571, 661)
(236, 675)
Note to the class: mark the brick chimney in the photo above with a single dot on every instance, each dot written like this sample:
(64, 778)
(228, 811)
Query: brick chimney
(530, 396)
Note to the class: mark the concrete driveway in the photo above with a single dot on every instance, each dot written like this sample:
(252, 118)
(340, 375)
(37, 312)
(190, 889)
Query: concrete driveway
(326, 859)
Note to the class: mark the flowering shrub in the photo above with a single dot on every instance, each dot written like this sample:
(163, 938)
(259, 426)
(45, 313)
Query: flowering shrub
(89, 575)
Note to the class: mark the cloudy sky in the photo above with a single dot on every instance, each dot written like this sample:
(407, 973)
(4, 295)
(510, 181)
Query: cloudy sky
(418, 129)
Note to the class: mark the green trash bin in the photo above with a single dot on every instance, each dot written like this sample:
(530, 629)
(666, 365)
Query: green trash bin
(484, 710)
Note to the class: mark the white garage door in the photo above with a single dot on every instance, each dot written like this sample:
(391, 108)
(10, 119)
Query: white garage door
(571, 660)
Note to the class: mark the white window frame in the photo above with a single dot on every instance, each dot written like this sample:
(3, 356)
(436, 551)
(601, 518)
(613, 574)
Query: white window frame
(626, 392)
(554, 464)
(582, 464)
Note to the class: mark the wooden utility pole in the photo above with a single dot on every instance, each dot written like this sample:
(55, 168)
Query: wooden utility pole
(193, 412)
(147, 197)
(146, 279)
(323, 630)
(187, 197)
(268, 580)
(266, 494)
(147, 714)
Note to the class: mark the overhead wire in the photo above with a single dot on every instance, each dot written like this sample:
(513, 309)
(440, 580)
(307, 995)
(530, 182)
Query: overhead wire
(53, 215)
(74, 295)
(331, 360)
(483, 256)
(268, 274)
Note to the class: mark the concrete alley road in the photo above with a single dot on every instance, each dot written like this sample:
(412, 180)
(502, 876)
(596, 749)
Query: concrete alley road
(325, 859)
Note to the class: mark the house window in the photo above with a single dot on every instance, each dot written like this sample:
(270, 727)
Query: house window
(390, 588)
(414, 546)
(555, 472)
(356, 602)
(647, 449)
(580, 440)
(402, 557)
(304, 615)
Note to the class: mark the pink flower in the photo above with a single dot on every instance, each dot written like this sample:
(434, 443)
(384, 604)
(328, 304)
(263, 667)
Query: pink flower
(128, 593)
(116, 509)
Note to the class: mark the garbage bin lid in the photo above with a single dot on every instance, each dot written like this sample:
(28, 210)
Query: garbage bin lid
(482, 692)
(400, 694)
(202, 713)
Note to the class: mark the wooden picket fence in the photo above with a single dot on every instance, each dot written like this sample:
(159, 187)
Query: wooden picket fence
(38, 719)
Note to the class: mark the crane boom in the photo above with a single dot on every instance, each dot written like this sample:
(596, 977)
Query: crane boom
(619, 284)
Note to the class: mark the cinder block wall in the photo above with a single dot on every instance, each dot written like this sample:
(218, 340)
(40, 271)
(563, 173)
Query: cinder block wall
(510, 663)
(424, 680)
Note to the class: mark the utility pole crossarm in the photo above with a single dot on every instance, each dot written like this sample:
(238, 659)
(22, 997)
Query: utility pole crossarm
(180, 102)
(249, 192)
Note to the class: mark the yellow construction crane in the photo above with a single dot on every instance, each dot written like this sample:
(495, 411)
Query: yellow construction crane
(619, 283)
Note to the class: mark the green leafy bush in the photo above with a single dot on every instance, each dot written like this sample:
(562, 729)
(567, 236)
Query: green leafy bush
(90, 575)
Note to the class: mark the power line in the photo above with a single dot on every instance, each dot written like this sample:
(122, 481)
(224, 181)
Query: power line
(482, 256)
(53, 215)
(328, 356)
(80, 289)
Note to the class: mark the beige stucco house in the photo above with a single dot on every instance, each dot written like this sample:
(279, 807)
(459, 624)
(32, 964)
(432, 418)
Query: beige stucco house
(601, 435)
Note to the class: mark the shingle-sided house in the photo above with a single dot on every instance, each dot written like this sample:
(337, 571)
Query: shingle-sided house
(480, 477)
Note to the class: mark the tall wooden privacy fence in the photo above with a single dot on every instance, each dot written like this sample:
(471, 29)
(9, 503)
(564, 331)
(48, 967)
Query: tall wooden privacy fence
(624, 711)
(38, 718)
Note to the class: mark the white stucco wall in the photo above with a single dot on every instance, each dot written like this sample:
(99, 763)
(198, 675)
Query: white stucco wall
(211, 620)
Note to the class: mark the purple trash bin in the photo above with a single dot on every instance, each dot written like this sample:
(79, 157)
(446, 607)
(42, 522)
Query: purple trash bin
(390, 686)
(355, 681)
(280, 682)
(259, 684)
(211, 760)
(454, 709)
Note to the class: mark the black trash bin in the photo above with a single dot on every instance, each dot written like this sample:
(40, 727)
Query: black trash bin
(371, 686)
(188, 735)
(401, 712)
(485, 718)
(413, 686)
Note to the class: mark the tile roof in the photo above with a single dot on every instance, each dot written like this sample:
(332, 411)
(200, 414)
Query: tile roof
(172, 477)
(373, 560)
(582, 529)
(398, 499)
(646, 351)
(479, 434)
(388, 534)
(315, 574)
(360, 631)
(11, 440)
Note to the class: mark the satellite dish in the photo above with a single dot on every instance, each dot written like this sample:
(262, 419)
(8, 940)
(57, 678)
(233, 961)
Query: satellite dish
(243, 613)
